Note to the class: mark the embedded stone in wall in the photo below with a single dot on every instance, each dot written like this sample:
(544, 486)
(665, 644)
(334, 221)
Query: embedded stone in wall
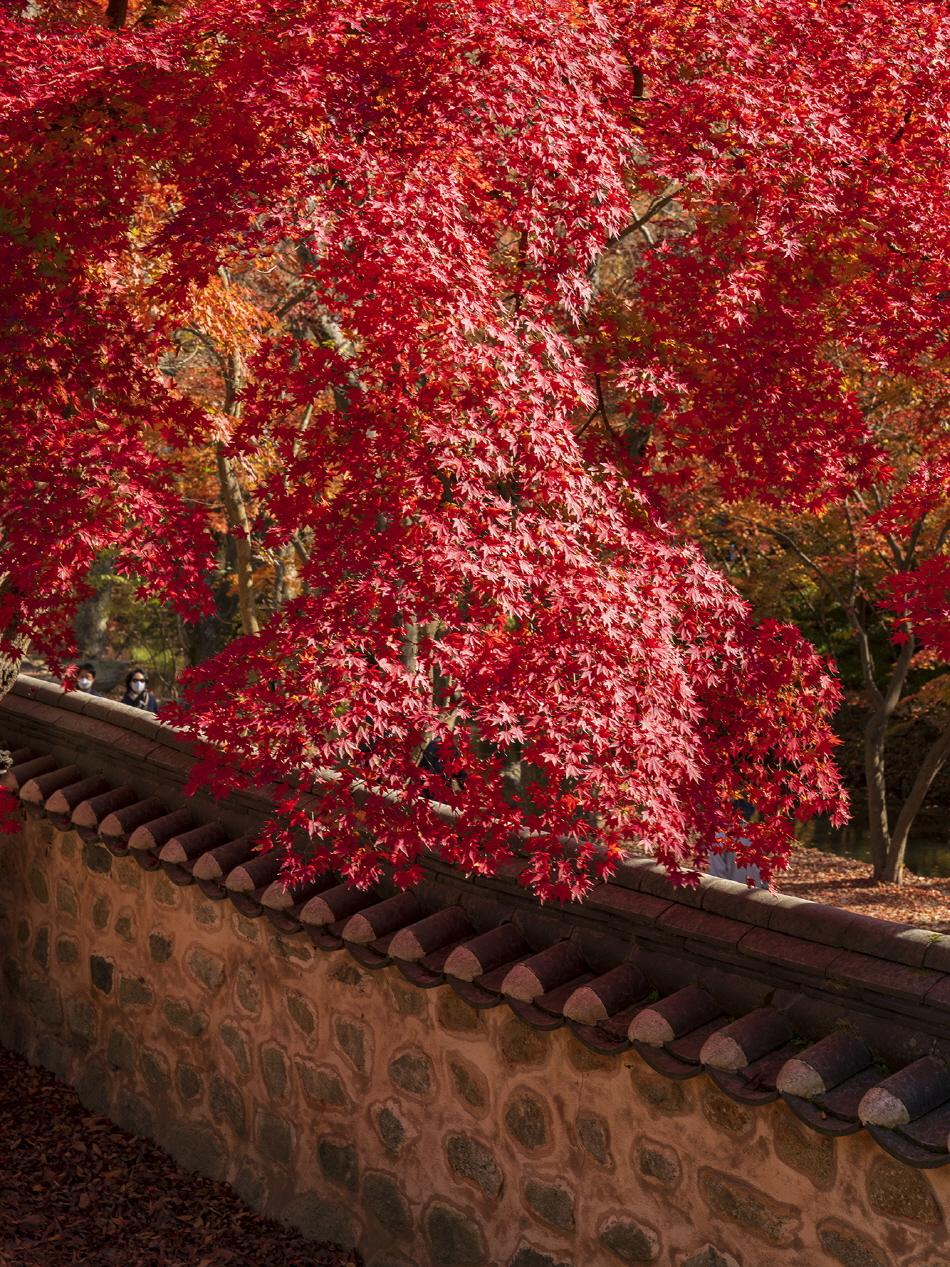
(80, 1024)
(133, 992)
(630, 1241)
(247, 988)
(321, 1086)
(67, 899)
(347, 973)
(527, 1121)
(125, 926)
(275, 1137)
(338, 1162)
(847, 1246)
(206, 968)
(301, 1013)
(181, 1015)
(101, 912)
(351, 1039)
(227, 1105)
(159, 947)
(40, 950)
(412, 1072)
(898, 1192)
(101, 972)
(407, 999)
(128, 872)
(274, 1071)
(521, 1046)
(552, 1203)
(164, 892)
(475, 1162)
(587, 1061)
(235, 1041)
(189, 1082)
(754, 1210)
(455, 1239)
(246, 928)
(594, 1134)
(120, 1050)
(97, 858)
(389, 1127)
(811, 1154)
(658, 1162)
(207, 914)
(725, 1114)
(38, 885)
(455, 1015)
(44, 1001)
(662, 1094)
(384, 1202)
(156, 1071)
(469, 1083)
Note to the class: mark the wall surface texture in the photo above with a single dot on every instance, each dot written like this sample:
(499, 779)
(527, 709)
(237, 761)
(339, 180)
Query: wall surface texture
(365, 1110)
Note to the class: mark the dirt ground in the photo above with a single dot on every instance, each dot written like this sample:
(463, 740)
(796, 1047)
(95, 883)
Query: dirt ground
(826, 877)
(76, 1191)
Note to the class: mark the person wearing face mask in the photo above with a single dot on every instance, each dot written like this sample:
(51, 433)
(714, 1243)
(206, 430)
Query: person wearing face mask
(137, 694)
(85, 678)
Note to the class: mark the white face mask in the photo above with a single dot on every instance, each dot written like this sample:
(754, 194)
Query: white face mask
(85, 683)
(137, 687)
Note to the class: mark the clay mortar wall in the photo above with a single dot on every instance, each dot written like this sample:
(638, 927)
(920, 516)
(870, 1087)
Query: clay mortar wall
(363, 1109)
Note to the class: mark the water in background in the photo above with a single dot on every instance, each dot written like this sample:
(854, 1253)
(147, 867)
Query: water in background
(928, 851)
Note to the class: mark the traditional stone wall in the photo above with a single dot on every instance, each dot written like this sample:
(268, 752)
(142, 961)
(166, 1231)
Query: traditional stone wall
(365, 1110)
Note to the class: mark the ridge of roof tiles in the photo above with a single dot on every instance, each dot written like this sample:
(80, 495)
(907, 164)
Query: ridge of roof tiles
(845, 1018)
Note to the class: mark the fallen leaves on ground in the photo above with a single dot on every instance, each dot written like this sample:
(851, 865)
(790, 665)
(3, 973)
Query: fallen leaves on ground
(923, 901)
(76, 1190)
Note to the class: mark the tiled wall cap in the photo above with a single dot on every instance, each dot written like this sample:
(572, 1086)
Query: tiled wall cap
(88, 814)
(606, 995)
(542, 972)
(907, 1094)
(257, 872)
(37, 791)
(191, 844)
(824, 1065)
(157, 831)
(750, 1037)
(14, 778)
(117, 827)
(61, 803)
(381, 918)
(417, 940)
(486, 952)
(217, 863)
(336, 903)
(674, 1016)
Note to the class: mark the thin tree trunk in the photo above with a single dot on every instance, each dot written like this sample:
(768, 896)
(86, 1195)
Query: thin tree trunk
(116, 13)
(236, 510)
(930, 767)
(875, 730)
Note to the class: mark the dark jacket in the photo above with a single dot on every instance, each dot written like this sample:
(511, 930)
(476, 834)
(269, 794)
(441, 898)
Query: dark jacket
(146, 702)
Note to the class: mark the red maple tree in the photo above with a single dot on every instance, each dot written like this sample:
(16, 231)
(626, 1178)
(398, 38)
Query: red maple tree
(499, 643)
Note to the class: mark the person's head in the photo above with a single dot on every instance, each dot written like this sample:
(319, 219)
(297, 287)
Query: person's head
(136, 683)
(85, 676)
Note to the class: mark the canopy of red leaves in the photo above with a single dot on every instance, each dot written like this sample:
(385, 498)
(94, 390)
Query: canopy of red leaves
(499, 640)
